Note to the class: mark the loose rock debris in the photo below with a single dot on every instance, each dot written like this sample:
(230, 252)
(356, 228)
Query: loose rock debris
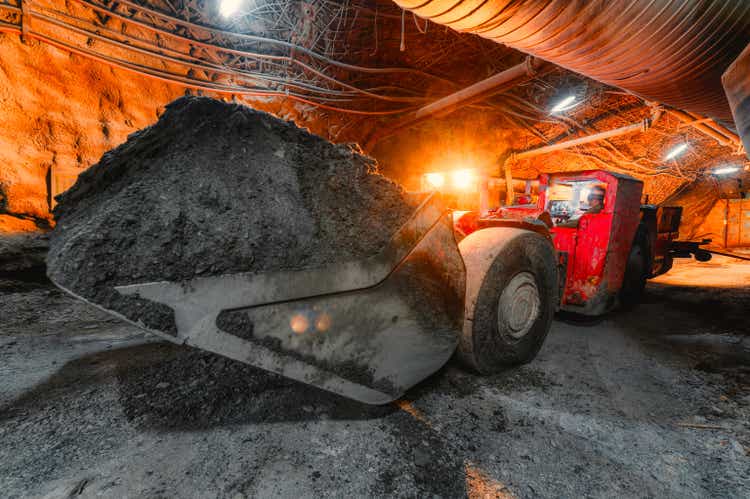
(597, 414)
(215, 188)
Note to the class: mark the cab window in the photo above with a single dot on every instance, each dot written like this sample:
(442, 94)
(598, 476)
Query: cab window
(568, 200)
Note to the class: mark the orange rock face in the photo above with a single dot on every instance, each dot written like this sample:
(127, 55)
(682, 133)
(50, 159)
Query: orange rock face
(14, 225)
(61, 111)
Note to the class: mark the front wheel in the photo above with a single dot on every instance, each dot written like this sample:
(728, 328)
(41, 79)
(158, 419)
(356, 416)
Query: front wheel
(513, 275)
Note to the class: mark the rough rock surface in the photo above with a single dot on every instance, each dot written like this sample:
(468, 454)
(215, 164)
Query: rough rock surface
(22, 253)
(61, 110)
(696, 200)
(649, 403)
(216, 188)
(10, 224)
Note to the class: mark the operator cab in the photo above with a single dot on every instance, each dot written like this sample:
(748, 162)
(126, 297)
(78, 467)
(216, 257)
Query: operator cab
(569, 199)
(595, 215)
(591, 217)
(607, 245)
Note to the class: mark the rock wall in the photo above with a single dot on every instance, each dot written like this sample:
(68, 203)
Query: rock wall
(697, 200)
(63, 111)
(714, 225)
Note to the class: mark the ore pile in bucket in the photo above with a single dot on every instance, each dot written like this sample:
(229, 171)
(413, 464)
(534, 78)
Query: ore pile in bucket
(215, 188)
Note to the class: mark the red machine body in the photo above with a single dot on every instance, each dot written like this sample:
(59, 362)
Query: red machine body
(593, 245)
(594, 251)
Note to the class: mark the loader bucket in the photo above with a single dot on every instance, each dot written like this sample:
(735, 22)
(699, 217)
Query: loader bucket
(368, 330)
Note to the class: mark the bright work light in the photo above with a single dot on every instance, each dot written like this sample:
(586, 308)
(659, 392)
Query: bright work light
(726, 170)
(436, 180)
(229, 7)
(567, 103)
(676, 151)
(462, 179)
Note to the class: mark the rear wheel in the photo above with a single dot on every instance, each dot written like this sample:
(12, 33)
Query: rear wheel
(514, 305)
(636, 272)
(703, 256)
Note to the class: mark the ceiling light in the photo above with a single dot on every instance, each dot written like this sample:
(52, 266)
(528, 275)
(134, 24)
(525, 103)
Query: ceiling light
(725, 170)
(228, 8)
(676, 151)
(567, 103)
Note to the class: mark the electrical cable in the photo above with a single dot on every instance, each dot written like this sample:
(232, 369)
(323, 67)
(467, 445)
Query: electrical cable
(186, 81)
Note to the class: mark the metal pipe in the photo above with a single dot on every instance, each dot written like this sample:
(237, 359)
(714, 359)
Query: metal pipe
(510, 195)
(25, 21)
(730, 255)
(671, 51)
(485, 88)
(495, 84)
(694, 122)
(641, 126)
(726, 224)
(725, 138)
(721, 129)
(484, 195)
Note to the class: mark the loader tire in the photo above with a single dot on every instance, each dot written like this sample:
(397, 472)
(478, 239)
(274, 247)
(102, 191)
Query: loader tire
(636, 272)
(515, 303)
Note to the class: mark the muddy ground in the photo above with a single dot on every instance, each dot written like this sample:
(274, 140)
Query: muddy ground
(649, 403)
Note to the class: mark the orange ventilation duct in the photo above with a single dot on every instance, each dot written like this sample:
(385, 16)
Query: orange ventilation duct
(671, 51)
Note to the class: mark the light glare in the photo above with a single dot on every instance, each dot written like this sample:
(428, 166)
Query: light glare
(726, 169)
(228, 8)
(462, 179)
(323, 322)
(676, 151)
(299, 323)
(567, 103)
(436, 180)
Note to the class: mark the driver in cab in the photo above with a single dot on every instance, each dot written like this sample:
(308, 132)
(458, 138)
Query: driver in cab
(595, 201)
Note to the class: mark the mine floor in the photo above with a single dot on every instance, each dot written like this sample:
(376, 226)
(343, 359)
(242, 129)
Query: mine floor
(653, 402)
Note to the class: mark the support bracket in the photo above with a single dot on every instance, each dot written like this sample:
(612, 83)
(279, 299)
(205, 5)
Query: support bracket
(25, 20)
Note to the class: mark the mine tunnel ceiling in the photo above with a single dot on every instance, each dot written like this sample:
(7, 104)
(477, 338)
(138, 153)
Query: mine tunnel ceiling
(368, 65)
